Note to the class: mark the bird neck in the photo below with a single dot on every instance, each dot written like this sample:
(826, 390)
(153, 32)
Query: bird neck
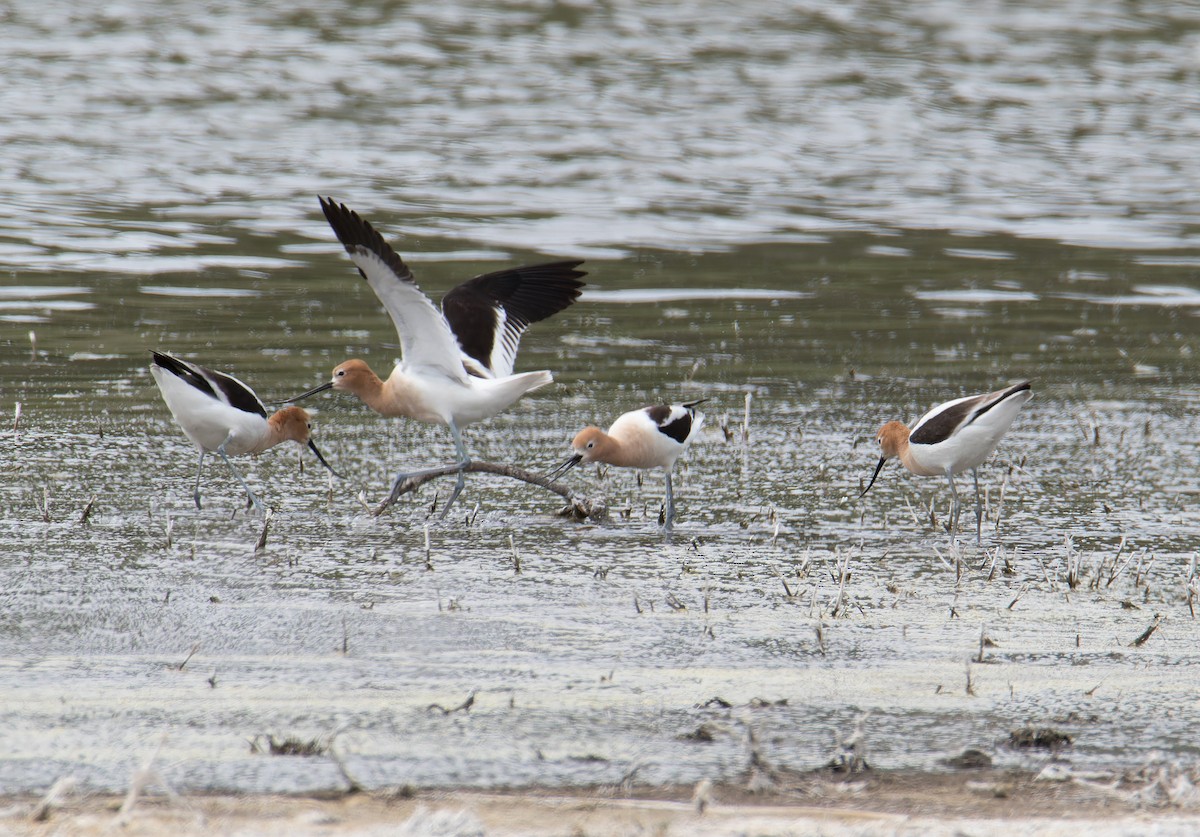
(367, 386)
(274, 434)
(615, 451)
(288, 424)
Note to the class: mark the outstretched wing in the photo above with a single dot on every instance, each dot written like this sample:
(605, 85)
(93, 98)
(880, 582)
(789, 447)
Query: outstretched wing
(488, 314)
(425, 336)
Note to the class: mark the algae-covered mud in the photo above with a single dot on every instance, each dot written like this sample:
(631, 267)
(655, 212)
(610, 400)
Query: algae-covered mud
(842, 220)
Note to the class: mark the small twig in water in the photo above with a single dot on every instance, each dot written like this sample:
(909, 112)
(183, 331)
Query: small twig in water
(983, 643)
(1118, 569)
(516, 556)
(362, 499)
(1017, 598)
(850, 755)
(191, 654)
(762, 775)
(1045, 572)
(1074, 563)
(352, 784)
(746, 419)
(916, 517)
(1145, 575)
(465, 706)
(1000, 501)
(289, 746)
(1146, 634)
(143, 776)
(63, 786)
(843, 567)
(261, 543)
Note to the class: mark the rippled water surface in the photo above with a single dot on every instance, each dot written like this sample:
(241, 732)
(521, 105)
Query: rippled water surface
(820, 216)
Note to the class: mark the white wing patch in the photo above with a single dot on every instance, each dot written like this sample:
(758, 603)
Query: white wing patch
(507, 340)
(425, 337)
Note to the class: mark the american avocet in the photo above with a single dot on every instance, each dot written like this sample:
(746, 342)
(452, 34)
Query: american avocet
(457, 364)
(952, 438)
(652, 437)
(222, 415)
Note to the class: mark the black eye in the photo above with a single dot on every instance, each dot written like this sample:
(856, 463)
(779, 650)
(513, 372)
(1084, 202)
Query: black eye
(341, 373)
(591, 445)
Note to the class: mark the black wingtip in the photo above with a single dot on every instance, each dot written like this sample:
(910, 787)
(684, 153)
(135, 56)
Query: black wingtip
(354, 231)
(345, 222)
(172, 364)
(527, 293)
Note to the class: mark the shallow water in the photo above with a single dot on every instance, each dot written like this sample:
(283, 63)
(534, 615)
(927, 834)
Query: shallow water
(827, 215)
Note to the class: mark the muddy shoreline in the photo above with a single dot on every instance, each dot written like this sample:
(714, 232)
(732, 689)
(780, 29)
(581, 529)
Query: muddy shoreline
(873, 802)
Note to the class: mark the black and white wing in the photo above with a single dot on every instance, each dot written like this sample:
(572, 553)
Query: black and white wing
(488, 314)
(224, 388)
(678, 421)
(945, 420)
(425, 336)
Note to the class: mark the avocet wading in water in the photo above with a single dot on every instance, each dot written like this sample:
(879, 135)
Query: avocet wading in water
(951, 438)
(456, 364)
(222, 415)
(652, 437)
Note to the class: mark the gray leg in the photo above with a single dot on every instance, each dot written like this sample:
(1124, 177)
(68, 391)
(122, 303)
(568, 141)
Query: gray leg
(669, 518)
(463, 461)
(956, 508)
(232, 470)
(196, 490)
(978, 510)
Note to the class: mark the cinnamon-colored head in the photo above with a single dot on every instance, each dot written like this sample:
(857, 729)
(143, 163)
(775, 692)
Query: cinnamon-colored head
(590, 444)
(891, 438)
(292, 424)
(354, 376)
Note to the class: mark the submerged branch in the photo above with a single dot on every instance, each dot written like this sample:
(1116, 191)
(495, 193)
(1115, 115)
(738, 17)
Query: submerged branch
(578, 506)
